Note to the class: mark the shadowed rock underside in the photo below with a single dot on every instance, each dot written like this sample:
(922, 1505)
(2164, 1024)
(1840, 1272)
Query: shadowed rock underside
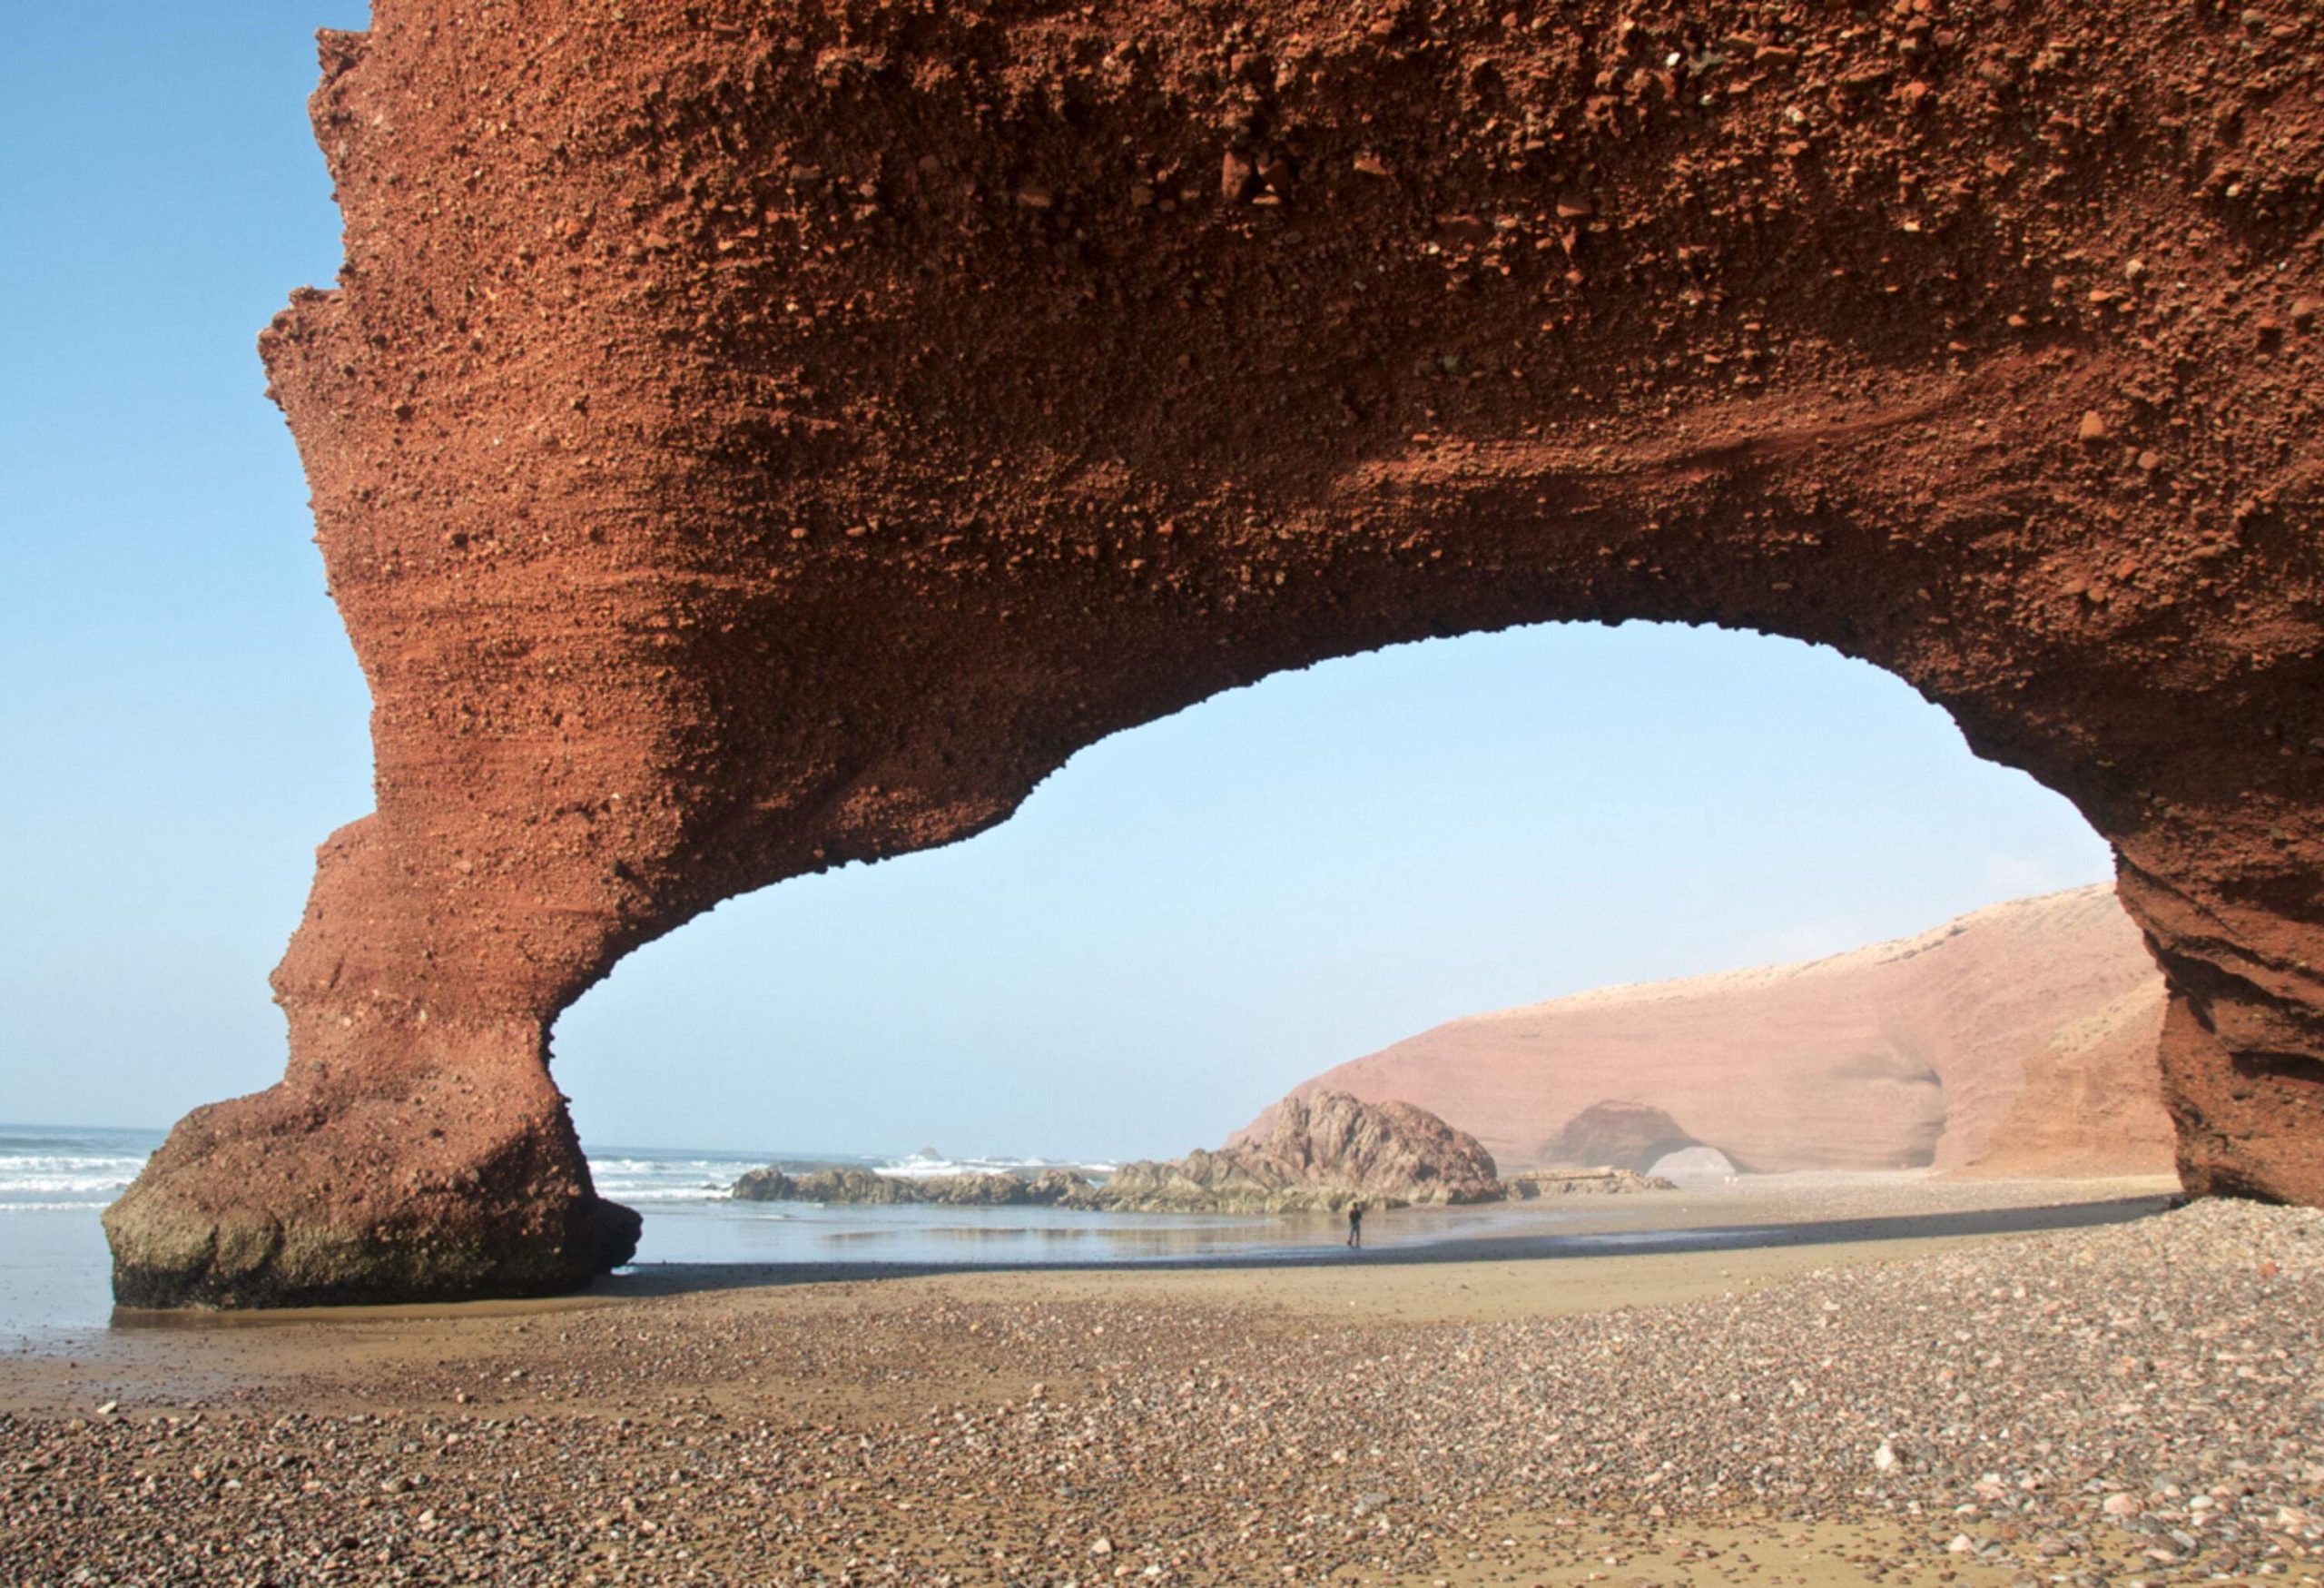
(749, 436)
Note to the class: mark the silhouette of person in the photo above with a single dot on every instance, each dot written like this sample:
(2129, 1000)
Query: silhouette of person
(1355, 1225)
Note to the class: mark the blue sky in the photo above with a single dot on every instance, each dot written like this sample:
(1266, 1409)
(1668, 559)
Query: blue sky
(1178, 926)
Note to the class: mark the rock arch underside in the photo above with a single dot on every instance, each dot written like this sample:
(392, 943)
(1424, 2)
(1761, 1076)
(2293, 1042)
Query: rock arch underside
(748, 436)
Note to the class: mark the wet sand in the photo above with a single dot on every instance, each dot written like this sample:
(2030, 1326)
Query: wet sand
(1697, 1415)
(1609, 1251)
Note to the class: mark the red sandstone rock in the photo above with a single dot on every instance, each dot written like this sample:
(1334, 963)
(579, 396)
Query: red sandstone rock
(2019, 1038)
(723, 475)
(457, 1182)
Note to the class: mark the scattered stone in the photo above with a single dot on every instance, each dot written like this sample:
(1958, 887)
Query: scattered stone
(877, 1432)
(1235, 175)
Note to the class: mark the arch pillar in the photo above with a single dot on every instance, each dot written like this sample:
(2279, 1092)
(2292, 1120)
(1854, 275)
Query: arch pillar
(752, 435)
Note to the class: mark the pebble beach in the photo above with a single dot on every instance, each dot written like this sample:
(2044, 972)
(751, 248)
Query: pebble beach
(2134, 1403)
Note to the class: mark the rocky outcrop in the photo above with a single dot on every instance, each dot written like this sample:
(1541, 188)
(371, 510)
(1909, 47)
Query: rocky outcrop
(746, 438)
(2019, 1038)
(493, 1198)
(1319, 1152)
(856, 1186)
(1050, 1187)
(1537, 1183)
(1323, 1153)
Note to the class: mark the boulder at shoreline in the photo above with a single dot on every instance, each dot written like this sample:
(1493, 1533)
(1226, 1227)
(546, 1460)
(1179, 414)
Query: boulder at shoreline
(1319, 1153)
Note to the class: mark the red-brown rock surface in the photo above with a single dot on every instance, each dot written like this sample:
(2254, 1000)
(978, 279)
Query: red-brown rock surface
(2018, 1038)
(750, 436)
(1316, 1150)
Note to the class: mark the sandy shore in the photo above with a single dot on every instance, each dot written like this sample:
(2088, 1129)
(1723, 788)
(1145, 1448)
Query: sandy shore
(1876, 1392)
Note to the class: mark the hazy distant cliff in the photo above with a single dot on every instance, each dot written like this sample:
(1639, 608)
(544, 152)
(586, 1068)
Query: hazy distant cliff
(2020, 1038)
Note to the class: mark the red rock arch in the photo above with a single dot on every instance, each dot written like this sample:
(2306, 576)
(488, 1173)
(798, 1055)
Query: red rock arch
(749, 435)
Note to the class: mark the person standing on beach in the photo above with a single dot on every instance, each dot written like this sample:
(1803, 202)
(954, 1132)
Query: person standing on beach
(1355, 1225)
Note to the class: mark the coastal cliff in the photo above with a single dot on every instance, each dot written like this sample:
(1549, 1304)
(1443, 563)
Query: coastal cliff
(2018, 1038)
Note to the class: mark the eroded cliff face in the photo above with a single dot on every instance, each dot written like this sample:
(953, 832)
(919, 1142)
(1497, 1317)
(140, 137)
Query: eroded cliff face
(747, 436)
(2018, 1038)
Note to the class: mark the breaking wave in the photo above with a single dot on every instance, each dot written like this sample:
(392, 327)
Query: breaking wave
(53, 1168)
(927, 1162)
(643, 1176)
(46, 1170)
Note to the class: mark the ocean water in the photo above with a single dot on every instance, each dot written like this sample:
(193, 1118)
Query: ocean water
(644, 1175)
(55, 1182)
(63, 1170)
(690, 1218)
(55, 1277)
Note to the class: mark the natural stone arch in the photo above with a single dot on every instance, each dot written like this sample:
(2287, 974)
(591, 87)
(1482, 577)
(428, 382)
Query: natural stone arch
(752, 435)
(1622, 1135)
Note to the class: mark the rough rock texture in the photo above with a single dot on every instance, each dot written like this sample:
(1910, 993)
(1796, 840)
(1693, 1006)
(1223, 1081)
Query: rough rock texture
(1053, 1187)
(471, 1185)
(2020, 1038)
(749, 436)
(1320, 1151)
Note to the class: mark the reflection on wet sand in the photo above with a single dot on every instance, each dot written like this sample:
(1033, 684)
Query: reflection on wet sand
(808, 1232)
(811, 1233)
(865, 1243)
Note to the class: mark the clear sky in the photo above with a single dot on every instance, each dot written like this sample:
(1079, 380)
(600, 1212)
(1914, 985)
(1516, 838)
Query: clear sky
(1181, 924)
